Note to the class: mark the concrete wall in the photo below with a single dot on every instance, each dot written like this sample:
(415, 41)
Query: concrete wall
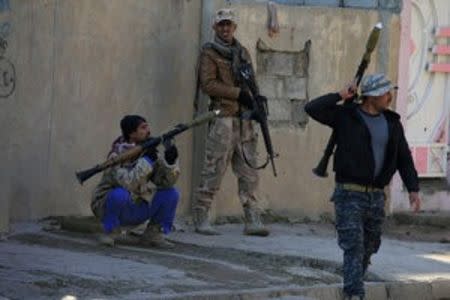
(6, 89)
(80, 66)
(338, 39)
(390, 5)
(424, 103)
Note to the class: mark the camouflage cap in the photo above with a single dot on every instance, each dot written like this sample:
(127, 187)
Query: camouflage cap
(376, 85)
(224, 14)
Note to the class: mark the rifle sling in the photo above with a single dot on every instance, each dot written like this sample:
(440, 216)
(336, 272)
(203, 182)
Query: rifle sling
(247, 162)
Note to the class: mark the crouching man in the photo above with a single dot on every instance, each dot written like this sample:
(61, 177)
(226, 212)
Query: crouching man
(138, 191)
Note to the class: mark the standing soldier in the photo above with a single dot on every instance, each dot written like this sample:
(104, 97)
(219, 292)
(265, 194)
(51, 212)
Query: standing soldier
(230, 138)
(371, 147)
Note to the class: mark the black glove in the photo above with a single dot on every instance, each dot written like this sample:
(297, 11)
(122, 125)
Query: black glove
(170, 152)
(261, 99)
(152, 153)
(245, 99)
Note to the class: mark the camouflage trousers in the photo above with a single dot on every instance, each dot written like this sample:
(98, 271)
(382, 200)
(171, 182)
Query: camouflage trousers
(359, 217)
(225, 143)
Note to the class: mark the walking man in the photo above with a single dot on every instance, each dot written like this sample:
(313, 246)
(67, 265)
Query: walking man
(370, 148)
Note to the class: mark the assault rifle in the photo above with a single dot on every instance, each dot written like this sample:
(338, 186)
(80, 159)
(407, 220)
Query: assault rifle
(136, 151)
(321, 168)
(259, 112)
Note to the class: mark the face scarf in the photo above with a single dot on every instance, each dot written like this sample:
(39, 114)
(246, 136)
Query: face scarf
(232, 52)
(120, 145)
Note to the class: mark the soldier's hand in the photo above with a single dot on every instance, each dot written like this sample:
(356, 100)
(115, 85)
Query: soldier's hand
(348, 92)
(261, 99)
(414, 201)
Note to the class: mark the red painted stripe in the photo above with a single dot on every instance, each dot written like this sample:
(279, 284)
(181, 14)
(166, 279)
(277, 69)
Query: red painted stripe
(443, 32)
(441, 49)
(421, 159)
(439, 68)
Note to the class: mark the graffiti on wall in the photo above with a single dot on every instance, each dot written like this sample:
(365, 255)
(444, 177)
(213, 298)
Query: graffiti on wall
(7, 70)
(429, 83)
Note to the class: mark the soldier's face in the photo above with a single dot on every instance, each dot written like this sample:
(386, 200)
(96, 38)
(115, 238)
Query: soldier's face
(141, 134)
(225, 30)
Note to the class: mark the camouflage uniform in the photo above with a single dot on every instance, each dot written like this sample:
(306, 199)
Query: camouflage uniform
(140, 178)
(225, 142)
(228, 136)
(359, 217)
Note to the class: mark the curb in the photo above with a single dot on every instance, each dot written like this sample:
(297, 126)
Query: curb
(440, 220)
(435, 290)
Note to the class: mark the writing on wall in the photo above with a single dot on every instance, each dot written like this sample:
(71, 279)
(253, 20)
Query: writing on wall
(7, 69)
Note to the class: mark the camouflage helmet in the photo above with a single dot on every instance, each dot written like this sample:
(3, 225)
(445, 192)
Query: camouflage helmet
(224, 14)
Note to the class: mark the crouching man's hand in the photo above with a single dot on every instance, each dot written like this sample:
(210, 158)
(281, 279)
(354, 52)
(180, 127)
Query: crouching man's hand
(170, 152)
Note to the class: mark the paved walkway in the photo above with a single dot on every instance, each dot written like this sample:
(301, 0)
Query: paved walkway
(295, 262)
(395, 261)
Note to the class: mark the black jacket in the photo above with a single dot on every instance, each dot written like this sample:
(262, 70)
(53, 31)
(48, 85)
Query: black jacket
(353, 158)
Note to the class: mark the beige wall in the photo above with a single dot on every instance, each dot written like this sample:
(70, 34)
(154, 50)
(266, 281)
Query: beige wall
(6, 101)
(81, 65)
(338, 39)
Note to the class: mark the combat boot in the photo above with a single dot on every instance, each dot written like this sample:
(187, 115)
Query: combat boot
(153, 237)
(106, 240)
(253, 223)
(109, 239)
(366, 263)
(202, 225)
